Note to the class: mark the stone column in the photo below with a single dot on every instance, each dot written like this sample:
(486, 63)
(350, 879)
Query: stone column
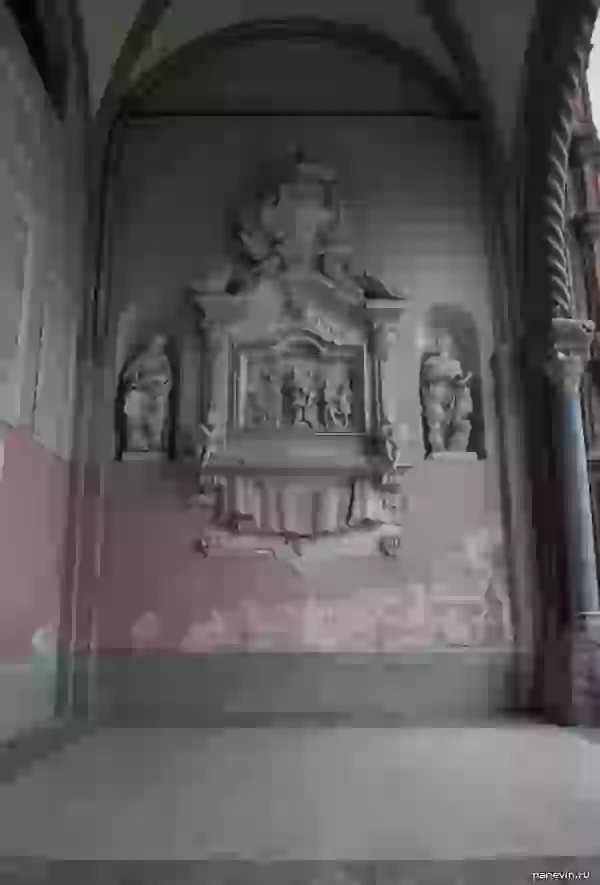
(568, 357)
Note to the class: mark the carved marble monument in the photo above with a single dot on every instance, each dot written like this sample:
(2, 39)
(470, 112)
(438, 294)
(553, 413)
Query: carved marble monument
(146, 384)
(302, 462)
(447, 401)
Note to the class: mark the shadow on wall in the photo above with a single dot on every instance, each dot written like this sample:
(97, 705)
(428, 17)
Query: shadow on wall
(457, 324)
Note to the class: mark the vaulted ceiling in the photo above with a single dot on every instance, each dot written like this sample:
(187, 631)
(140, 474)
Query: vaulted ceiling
(475, 44)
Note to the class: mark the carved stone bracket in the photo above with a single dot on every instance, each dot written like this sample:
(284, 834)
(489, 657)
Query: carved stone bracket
(303, 554)
(359, 519)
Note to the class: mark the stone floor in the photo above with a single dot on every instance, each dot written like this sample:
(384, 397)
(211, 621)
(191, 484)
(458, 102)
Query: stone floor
(160, 803)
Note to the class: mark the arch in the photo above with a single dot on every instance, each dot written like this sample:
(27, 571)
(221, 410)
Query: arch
(355, 37)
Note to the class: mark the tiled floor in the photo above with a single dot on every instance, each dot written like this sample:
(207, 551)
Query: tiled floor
(309, 794)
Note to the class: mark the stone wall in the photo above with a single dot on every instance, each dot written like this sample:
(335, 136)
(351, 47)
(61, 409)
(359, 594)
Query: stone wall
(413, 206)
(41, 220)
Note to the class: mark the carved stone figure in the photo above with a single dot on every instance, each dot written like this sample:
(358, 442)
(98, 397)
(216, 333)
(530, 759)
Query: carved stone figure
(330, 403)
(304, 404)
(392, 444)
(207, 433)
(299, 404)
(439, 375)
(345, 399)
(255, 411)
(264, 400)
(147, 384)
(290, 227)
(461, 416)
(288, 396)
(271, 397)
(338, 401)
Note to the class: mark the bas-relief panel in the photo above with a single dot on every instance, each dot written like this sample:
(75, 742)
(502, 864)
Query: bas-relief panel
(300, 389)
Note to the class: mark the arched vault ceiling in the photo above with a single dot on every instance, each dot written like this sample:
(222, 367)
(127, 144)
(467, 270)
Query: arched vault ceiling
(498, 34)
(402, 21)
(106, 25)
(495, 35)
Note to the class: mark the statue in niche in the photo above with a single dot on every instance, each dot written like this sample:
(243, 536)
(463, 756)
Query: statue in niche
(461, 417)
(147, 384)
(441, 379)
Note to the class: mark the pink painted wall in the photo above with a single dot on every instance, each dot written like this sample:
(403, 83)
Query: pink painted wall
(414, 205)
(41, 181)
(158, 593)
(33, 500)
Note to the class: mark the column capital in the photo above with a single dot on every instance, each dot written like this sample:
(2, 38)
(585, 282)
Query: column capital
(567, 352)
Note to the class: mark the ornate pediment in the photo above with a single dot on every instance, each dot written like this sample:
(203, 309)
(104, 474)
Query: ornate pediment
(298, 444)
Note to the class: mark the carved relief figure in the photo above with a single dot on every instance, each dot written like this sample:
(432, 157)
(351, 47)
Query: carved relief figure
(345, 399)
(302, 212)
(264, 400)
(288, 396)
(291, 227)
(271, 397)
(392, 444)
(147, 383)
(207, 440)
(338, 403)
(304, 403)
(311, 409)
(439, 376)
(330, 403)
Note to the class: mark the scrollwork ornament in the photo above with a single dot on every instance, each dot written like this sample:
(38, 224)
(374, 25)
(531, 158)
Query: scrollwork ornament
(390, 545)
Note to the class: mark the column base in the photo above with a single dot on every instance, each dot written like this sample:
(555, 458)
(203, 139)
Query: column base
(585, 670)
